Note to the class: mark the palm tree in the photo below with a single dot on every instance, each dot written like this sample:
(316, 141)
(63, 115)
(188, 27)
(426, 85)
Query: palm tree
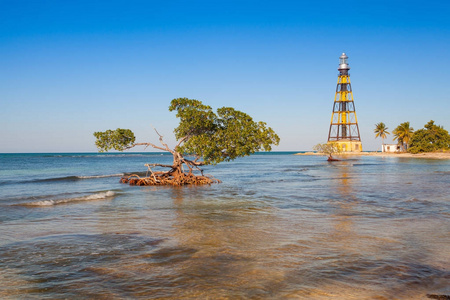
(403, 134)
(381, 131)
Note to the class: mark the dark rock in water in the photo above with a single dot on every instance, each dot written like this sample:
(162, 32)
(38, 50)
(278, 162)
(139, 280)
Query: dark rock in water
(439, 297)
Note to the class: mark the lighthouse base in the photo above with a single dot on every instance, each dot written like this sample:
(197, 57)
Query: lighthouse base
(349, 146)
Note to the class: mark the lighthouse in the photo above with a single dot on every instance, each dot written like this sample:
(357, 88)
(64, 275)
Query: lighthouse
(344, 128)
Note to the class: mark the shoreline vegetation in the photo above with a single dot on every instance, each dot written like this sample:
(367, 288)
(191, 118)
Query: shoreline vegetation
(430, 155)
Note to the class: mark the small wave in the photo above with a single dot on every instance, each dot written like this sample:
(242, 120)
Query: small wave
(296, 170)
(99, 176)
(96, 196)
(64, 178)
(57, 179)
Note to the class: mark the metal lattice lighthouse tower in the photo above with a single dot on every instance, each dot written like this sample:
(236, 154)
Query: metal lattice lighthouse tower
(344, 128)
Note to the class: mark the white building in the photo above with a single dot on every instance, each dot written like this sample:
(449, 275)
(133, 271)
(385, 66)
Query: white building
(390, 148)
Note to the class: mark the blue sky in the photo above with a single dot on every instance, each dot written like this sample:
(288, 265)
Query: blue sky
(69, 68)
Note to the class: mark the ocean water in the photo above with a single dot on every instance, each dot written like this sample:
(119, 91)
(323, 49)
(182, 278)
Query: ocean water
(279, 226)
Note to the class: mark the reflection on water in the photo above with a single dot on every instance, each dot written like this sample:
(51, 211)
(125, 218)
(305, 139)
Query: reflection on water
(355, 229)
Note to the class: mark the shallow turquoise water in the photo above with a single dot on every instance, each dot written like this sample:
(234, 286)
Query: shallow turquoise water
(279, 227)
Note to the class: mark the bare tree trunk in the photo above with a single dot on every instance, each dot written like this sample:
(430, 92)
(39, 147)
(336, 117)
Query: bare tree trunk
(176, 174)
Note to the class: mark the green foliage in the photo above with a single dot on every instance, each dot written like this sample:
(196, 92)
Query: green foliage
(195, 117)
(214, 137)
(431, 138)
(219, 137)
(328, 149)
(381, 130)
(403, 133)
(119, 139)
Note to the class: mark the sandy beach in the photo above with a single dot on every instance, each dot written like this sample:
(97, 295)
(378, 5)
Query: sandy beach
(430, 155)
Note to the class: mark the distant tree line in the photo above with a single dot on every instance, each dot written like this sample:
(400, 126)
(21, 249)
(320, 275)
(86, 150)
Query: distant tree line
(428, 139)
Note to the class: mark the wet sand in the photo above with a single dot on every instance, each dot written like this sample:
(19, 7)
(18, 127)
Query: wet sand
(430, 155)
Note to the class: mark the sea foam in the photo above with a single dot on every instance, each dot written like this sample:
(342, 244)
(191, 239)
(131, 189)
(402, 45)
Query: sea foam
(96, 196)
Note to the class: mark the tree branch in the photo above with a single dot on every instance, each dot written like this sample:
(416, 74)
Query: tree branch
(182, 140)
(162, 142)
(159, 165)
(146, 145)
(194, 162)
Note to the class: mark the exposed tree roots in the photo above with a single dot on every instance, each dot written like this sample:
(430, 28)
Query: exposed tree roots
(332, 159)
(165, 178)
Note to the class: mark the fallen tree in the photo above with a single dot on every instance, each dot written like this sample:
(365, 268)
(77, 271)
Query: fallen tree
(203, 138)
